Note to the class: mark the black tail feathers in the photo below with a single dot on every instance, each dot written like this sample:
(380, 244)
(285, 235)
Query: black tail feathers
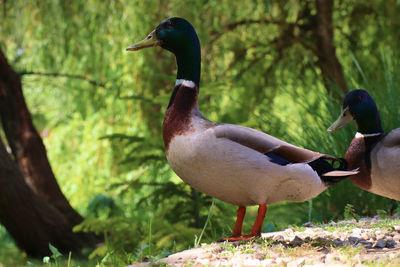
(324, 165)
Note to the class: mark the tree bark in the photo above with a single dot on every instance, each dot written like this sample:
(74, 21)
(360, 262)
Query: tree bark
(29, 218)
(32, 207)
(26, 144)
(328, 62)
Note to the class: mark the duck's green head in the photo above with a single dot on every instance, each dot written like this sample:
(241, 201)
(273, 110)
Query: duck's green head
(178, 36)
(173, 34)
(358, 105)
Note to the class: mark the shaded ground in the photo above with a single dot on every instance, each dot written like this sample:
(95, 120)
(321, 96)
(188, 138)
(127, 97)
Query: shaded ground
(367, 242)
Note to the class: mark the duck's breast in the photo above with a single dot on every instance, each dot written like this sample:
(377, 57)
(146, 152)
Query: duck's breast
(357, 158)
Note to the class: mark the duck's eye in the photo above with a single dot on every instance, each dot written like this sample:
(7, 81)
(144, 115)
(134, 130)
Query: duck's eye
(170, 25)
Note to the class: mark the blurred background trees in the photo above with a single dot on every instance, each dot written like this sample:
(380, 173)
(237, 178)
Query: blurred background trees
(278, 66)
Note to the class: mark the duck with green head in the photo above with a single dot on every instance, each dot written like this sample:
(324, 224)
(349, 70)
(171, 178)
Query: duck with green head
(232, 163)
(375, 154)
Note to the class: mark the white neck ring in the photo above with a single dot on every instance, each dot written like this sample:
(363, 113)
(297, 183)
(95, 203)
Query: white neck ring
(186, 83)
(360, 135)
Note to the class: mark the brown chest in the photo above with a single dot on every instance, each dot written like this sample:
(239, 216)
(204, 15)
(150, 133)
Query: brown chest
(178, 118)
(175, 124)
(358, 156)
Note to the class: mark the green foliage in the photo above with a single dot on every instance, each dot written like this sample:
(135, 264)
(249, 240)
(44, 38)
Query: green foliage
(383, 214)
(11, 256)
(104, 138)
(55, 256)
(350, 213)
(101, 206)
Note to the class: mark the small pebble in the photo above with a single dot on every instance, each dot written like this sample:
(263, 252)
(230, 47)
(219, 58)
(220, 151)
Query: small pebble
(295, 263)
(381, 243)
(396, 237)
(267, 262)
(380, 236)
(204, 262)
(251, 262)
(296, 241)
(365, 236)
(280, 261)
(353, 240)
(330, 259)
(278, 238)
(292, 264)
(390, 243)
(308, 224)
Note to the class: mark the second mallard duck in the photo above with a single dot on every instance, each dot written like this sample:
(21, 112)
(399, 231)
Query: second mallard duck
(375, 154)
(232, 163)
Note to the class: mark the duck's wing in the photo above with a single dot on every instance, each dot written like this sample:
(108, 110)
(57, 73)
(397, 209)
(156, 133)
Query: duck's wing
(392, 139)
(265, 143)
(279, 151)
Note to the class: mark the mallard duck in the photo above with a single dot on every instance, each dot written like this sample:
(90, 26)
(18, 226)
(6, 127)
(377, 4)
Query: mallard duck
(232, 163)
(375, 154)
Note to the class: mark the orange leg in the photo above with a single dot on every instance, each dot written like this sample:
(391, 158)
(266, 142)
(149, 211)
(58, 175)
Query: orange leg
(255, 231)
(237, 230)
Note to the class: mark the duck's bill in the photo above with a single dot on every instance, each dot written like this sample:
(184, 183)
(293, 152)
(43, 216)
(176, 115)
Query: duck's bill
(344, 118)
(149, 41)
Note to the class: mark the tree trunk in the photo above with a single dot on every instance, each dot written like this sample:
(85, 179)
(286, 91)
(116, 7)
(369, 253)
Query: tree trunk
(32, 207)
(328, 62)
(26, 144)
(29, 218)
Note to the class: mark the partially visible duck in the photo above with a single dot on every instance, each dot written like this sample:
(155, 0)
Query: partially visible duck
(232, 163)
(375, 154)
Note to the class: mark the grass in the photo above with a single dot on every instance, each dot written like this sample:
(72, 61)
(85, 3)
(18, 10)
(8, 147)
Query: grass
(11, 256)
(349, 225)
(197, 240)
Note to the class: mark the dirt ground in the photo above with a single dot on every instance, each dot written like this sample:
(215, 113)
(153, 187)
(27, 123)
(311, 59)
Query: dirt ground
(367, 242)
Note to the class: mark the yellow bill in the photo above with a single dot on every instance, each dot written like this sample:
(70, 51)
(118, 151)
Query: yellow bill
(150, 41)
(344, 118)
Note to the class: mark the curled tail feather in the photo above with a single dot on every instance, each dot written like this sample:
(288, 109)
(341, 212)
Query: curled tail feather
(329, 174)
